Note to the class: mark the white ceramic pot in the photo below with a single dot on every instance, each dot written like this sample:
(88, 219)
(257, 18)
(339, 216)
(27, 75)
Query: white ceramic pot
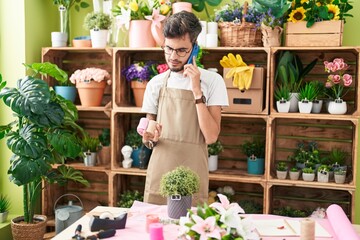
(281, 174)
(317, 105)
(339, 178)
(213, 162)
(337, 107)
(294, 175)
(212, 27)
(308, 177)
(59, 39)
(323, 177)
(99, 38)
(305, 106)
(283, 106)
(294, 107)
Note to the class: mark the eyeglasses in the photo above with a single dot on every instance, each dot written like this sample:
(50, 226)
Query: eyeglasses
(181, 52)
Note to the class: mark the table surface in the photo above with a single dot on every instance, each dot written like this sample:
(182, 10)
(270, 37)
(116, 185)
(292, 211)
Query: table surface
(135, 225)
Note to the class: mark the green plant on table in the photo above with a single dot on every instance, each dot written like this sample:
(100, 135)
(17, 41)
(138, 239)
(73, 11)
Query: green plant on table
(44, 132)
(104, 137)
(215, 148)
(180, 181)
(128, 197)
(4, 203)
(97, 20)
(281, 166)
(254, 148)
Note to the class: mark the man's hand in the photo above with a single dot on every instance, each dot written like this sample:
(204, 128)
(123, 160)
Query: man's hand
(192, 71)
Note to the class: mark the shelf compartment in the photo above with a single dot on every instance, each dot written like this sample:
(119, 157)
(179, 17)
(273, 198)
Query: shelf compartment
(234, 132)
(308, 199)
(246, 194)
(71, 59)
(308, 54)
(94, 195)
(286, 133)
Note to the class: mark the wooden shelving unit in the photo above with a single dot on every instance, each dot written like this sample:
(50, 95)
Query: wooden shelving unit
(281, 131)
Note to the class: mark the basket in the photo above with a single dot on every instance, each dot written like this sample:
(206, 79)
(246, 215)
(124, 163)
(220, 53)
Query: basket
(242, 34)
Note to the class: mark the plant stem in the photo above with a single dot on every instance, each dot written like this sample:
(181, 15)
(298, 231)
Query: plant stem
(25, 203)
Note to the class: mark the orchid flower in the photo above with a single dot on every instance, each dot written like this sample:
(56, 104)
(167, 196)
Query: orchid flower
(225, 205)
(124, 18)
(206, 228)
(156, 17)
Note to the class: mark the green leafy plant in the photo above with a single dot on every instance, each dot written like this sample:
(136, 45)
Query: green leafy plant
(215, 148)
(104, 137)
(97, 20)
(308, 92)
(340, 171)
(337, 156)
(254, 148)
(306, 153)
(290, 212)
(180, 181)
(308, 170)
(4, 203)
(294, 169)
(323, 169)
(90, 144)
(78, 4)
(251, 207)
(133, 139)
(282, 93)
(274, 11)
(200, 5)
(290, 71)
(282, 166)
(43, 133)
(128, 197)
(52, 70)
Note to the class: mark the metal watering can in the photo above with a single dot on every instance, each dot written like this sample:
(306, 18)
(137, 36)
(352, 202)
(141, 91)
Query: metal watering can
(67, 214)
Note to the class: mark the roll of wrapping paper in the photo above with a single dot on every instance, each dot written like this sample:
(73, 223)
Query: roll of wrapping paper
(341, 223)
(307, 229)
(151, 127)
(143, 124)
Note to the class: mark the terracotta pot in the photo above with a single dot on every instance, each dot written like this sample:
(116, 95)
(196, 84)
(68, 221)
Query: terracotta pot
(140, 34)
(91, 93)
(81, 42)
(138, 89)
(24, 231)
(104, 156)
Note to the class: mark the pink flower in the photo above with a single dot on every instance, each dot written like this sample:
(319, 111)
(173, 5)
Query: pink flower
(162, 67)
(206, 228)
(336, 79)
(88, 74)
(347, 78)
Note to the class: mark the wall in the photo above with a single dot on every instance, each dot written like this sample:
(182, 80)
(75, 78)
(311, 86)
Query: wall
(25, 27)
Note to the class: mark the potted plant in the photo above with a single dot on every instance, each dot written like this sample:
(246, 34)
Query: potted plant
(318, 101)
(255, 152)
(307, 95)
(91, 83)
(178, 186)
(4, 208)
(337, 158)
(98, 23)
(139, 74)
(105, 151)
(340, 176)
(140, 154)
(282, 97)
(64, 87)
(294, 173)
(127, 198)
(44, 132)
(90, 146)
(213, 151)
(308, 174)
(323, 173)
(306, 155)
(281, 170)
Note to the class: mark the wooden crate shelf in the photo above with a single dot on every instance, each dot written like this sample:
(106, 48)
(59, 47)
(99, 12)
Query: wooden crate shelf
(307, 54)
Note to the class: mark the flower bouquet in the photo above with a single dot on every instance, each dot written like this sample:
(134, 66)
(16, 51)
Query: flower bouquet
(91, 83)
(219, 220)
(336, 83)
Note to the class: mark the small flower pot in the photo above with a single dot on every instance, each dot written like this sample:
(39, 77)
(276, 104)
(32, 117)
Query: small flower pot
(294, 106)
(305, 106)
(308, 177)
(67, 92)
(323, 177)
(283, 106)
(178, 206)
(90, 159)
(317, 105)
(294, 175)
(213, 162)
(99, 38)
(255, 166)
(337, 107)
(339, 178)
(3, 217)
(281, 174)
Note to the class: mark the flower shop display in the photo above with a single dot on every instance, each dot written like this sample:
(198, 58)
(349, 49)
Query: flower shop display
(238, 25)
(98, 24)
(138, 74)
(90, 83)
(219, 220)
(337, 84)
(316, 23)
(272, 20)
(178, 186)
(143, 19)
(213, 150)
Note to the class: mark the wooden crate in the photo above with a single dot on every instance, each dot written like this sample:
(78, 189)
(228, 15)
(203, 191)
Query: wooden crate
(309, 199)
(286, 133)
(95, 195)
(71, 59)
(245, 193)
(349, 54)
(321, 34)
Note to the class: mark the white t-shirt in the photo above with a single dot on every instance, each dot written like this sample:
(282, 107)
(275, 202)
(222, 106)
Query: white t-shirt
(212, 86)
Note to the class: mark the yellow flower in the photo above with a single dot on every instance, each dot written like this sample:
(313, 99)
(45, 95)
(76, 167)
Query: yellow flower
(297, 15)
(318, 4)
(121, 4)
(333, 9)
(164, 9)
(304, 1)
(133, 6)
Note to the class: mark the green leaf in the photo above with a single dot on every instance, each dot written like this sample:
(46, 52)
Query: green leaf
(84, 5)
(213, 2)
(71, 174)
(31, 96)
(50, 69)
(65, 142)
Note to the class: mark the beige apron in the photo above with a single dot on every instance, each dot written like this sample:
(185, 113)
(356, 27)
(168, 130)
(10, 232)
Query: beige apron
(181, 143)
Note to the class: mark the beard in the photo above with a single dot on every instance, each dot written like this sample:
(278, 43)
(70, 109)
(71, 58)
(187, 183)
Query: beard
(179, 69)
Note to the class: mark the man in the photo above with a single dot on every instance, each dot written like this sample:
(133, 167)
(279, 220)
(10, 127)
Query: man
(186, 102)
